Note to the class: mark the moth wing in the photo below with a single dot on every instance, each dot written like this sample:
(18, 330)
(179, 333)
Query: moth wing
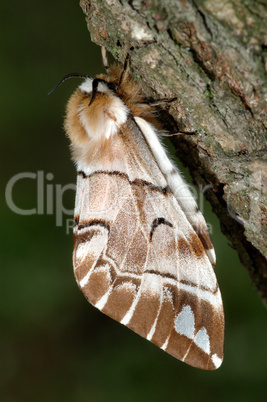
(138, 259)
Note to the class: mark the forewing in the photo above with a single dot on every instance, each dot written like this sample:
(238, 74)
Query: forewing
(138, 259)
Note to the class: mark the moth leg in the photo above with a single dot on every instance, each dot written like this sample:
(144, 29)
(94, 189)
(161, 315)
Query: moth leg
(174, 134)
(125, 71)
(160, 101)
(104, 57)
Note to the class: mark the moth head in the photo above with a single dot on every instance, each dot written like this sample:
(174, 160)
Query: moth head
(94, 112)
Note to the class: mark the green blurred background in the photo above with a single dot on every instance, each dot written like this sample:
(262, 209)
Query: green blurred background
(54, 346)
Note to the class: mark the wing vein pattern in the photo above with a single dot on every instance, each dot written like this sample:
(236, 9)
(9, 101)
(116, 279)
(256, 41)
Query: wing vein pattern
(137, 255)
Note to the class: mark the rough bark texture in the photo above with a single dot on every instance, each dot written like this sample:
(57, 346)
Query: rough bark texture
(212, 55)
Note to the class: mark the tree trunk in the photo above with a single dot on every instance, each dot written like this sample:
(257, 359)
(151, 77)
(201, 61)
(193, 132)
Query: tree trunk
(212, 55)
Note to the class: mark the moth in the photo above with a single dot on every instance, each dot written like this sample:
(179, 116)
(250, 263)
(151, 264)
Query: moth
(142, 251)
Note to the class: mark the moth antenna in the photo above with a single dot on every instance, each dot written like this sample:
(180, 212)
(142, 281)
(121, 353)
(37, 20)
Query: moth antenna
(71, 75)
(125, 70)
(94, 90)
(104, 58)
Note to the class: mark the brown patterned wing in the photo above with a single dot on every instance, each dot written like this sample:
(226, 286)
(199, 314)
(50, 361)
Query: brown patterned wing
(138, 260)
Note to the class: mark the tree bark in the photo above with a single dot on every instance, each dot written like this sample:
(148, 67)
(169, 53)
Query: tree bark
(212, 55)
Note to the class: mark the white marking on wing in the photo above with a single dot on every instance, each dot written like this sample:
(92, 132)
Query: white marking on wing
(153, 328)
(148, 285)
(86, 278)
(216, 360)
(178, 186)
(211, 255)
(164, 346)
(202, 340)
(101, 303)
(93, 247)
(214, 299)
(185, 322)
(130, 312)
